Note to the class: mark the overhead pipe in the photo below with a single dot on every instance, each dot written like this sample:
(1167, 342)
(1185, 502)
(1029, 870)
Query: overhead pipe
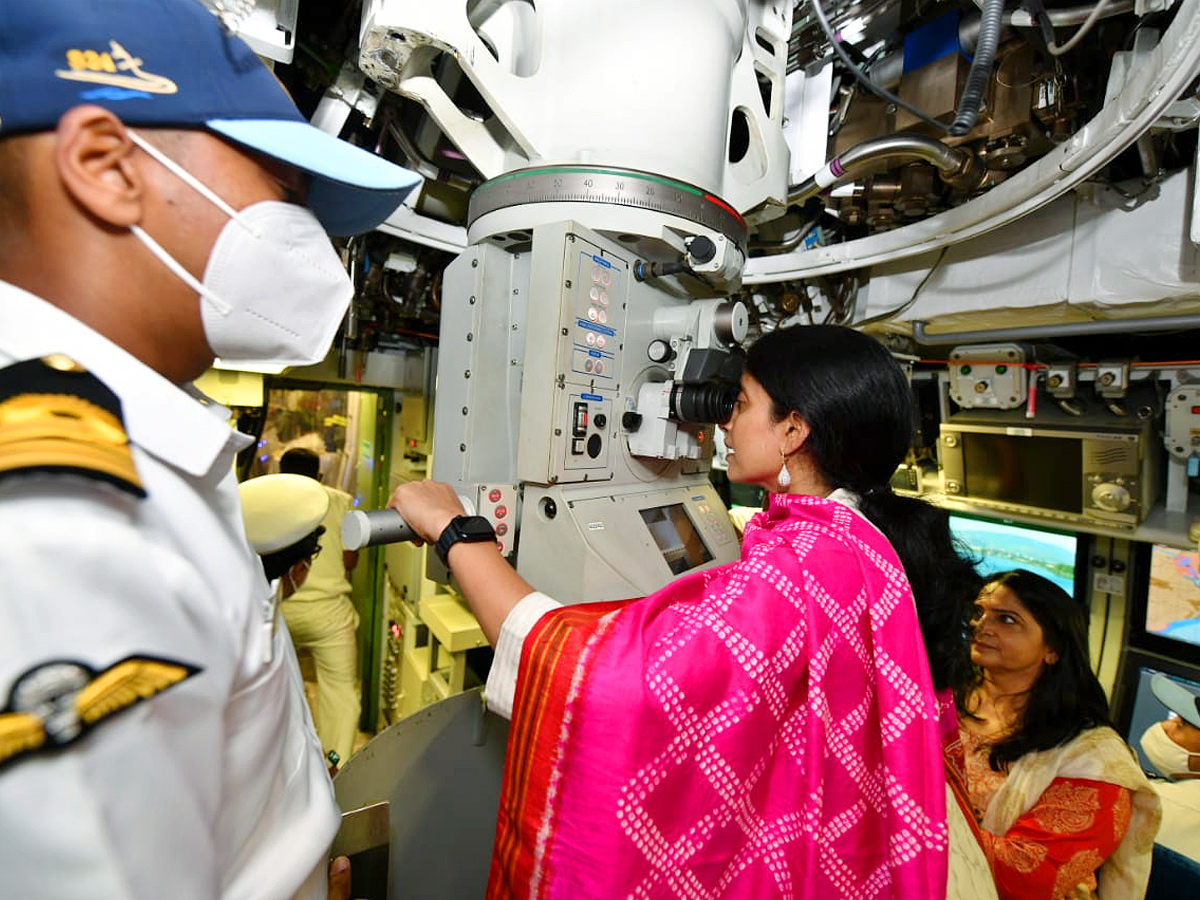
(958, 167)
(1072, 329)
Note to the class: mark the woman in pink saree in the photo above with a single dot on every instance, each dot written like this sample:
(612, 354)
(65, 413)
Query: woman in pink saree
(767, 728)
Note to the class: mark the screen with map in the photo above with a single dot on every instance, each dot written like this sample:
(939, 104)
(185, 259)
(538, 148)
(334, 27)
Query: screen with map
(1000, 546)
(1173, 594)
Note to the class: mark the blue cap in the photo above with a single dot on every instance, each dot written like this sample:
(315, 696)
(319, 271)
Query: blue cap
(172, 64)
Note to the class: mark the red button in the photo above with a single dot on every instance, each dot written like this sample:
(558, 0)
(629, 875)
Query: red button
(494, 495)
(501, 528)
(501, 512)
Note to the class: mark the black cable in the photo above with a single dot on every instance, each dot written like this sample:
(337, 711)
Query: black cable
(883, 317)
(1104, 633)
(861, 77)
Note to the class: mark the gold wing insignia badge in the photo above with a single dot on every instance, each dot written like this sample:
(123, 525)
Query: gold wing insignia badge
(57, 702)
(20, 733)
(126, 683)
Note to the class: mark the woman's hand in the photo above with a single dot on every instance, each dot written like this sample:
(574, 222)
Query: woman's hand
(427, 507)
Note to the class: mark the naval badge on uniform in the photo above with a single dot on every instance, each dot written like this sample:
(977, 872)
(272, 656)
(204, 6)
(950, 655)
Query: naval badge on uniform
(56, 703)
(55, 416)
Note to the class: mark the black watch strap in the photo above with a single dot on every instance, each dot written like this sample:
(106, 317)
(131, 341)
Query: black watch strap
(472, 529)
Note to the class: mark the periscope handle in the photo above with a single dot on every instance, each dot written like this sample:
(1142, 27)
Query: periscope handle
(366, 528)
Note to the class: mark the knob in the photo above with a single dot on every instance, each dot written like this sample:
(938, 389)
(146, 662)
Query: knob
(701, 249)
(731, 322)
(660, 352)
(631, 421)
(1111, 497)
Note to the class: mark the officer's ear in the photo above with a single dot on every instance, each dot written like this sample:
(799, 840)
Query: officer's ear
(98, 166)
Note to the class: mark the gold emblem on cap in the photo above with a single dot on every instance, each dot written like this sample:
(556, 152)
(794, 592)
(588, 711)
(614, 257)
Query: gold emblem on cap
(105, 67)
(62, 363)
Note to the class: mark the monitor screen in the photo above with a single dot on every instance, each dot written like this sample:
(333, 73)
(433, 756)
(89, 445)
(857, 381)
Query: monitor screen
(1000, 546)
(1143, 709)
(1173, 594)
(676, 536)
(1043, 472)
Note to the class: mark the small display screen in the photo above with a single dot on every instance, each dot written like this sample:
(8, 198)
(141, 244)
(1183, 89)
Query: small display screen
(1001, 546)
(676, 536)
(1173, 594)
(1147, 709)
(1039, 472)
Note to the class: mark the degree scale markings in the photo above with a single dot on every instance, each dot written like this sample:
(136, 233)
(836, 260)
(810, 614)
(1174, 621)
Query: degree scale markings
(615, 187)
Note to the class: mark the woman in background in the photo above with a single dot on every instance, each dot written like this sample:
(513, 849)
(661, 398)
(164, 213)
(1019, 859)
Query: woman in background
(1064, 809)
(766, 728)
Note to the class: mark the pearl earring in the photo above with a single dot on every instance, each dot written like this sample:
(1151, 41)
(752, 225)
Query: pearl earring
(785, 477)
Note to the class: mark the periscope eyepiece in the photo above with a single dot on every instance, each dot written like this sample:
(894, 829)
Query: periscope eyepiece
(703, 402)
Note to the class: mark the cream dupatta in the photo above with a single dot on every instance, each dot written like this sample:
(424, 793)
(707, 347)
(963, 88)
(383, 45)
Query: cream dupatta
(1097, 754)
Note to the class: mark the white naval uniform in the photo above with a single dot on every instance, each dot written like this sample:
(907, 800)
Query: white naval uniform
(1180, 829)
(214, 787)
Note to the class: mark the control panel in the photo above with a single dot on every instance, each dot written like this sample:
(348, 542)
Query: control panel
(498, 504)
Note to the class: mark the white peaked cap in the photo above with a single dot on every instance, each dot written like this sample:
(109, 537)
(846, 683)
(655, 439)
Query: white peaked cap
(1175, 697)
(279, 510)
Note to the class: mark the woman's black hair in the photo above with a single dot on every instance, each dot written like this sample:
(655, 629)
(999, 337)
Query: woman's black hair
(1067, 698)
(276, 564)
(856, 401)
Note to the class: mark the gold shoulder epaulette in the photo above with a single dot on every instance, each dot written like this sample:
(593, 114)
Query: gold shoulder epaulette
(55, 416)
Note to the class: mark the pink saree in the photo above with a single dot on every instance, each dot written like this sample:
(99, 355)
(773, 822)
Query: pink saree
(764, 729)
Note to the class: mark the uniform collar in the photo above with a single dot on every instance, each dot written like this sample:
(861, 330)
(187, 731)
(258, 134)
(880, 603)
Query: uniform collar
(180, 426)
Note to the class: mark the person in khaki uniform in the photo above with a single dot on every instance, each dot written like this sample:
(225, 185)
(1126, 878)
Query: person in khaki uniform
(322, 619)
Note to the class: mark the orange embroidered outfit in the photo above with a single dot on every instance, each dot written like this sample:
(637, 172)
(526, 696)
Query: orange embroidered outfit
(1075, 821)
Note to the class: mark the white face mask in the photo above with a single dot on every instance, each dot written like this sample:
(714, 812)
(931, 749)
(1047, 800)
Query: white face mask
(274, 290)
(1164, 754)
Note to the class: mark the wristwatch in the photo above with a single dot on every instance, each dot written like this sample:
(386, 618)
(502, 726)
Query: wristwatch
(472, 529)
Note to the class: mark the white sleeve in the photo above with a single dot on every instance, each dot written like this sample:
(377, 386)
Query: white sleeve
(502, 678)
(125, 810)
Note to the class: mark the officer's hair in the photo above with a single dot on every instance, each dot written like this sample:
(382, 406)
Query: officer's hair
(299, 461)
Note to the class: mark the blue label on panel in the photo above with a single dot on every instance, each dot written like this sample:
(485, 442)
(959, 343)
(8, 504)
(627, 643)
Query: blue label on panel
(595, 353)
(592, 326)
(600, 260)
(698, 498)
(595, 398)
